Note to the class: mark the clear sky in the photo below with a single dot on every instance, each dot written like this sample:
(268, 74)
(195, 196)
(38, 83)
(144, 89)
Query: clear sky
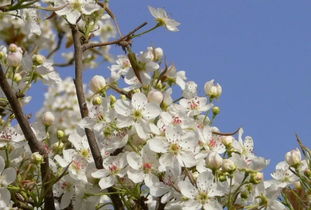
(258, 50)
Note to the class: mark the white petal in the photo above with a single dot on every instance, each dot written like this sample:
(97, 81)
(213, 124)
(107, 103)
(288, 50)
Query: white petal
(106, 182)
(135, 175)
(158, 145)
(134, 160)
(2, 164)
(66, 199)
(140, 130)
(187, 189)
(8, 176)
(151, 111)
(100, 173)
(139, 100)
(122, 108)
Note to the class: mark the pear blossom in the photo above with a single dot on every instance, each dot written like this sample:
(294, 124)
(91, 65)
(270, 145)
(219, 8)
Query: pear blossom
(114, 168)
(293, 158)
(137, 113)
(212, 90)
(163, 19)
(73, 9)
(176, 145)
(141, 166)
(204, 195)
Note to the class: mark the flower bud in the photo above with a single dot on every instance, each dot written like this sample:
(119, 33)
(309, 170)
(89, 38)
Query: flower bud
(112, 99)
(97, 100)
(216, 110)
(97, 84)
(58, 147)
(158, 54)
(15, 55)
(17, 77)
(214, 160)
(222, 178)
(244, 194)
(293, 158)
(307, 173)
(228, 165)
(38, 59)
(227, 140)
(60, 134)
(48, 118)
(155, 96)
(212, 90)
(256, 177)
(37, 158)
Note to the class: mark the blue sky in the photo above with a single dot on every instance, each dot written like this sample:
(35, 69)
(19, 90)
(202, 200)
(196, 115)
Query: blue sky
(258, 50)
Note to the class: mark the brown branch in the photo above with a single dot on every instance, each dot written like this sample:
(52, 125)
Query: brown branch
(123, 41)
(59, 43)
(69, 63)
(34, 144)
(225, 134)
(78, 81)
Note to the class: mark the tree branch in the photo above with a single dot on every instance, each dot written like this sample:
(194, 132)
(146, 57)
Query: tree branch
(34, 144)
(122, 41)
(78, 50)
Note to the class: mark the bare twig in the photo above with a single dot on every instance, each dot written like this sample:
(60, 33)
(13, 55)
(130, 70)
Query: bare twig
(34, 144)
(59, 43)
(123, 41)
(225, 134)
(69, 63)
(78, 50)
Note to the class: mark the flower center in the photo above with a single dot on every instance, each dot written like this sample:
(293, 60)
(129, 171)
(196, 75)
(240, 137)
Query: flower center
(137, 115)
(76, 5)
(202, 197)
(147, 167)
(174, 148)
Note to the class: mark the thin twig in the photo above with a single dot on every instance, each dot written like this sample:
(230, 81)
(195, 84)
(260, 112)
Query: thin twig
(226, 134)
(34, 144)
(59, 43)
(69, 63)
(118, 41)
(78, 81)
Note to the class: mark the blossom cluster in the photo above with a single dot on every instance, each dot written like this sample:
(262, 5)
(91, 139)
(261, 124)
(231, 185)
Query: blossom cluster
(158, 150)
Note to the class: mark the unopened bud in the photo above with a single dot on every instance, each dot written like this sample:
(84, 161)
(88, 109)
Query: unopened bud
(123, 97)
(212, 90)
(17, 77)
(293, 158)
(256, 177)
(48, 118)
(37, 158)
(112, 99)
(38, 59)
(244, 194)
(307, 173)
(155, 96)
(222, 178)
(60, 134)
(228, 165)
(58, 147)
(97, 84)
(227, 140)
(214, 160)
(97, 100)
(216, 110)
(158, 54)
(15, 55)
